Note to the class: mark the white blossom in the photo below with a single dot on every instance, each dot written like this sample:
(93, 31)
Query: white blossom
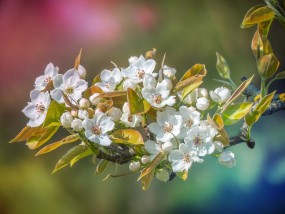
(183, 158)
(202, 103)
(96, 129)
(220, 95)
(168, 125)
(138, 68)
(110, 79)
(129, 83)
(134, 166)
(83, 114)
(130, 120)
(84, 103)
(153, 148)
(49, 74)
(70, 84)
(190, 117)
(66, 119)
(200, 138)
(76, 125)
(114, 113)
(227, 159)
(36, 110)
(168, 72)
(158, 96)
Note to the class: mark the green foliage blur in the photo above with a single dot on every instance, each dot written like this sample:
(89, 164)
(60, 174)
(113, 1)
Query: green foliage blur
(189, 32)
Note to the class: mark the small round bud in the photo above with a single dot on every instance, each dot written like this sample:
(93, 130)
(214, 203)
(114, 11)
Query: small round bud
(202, 103)
(82, 72)
(162, 175)
(94, 99)
(84, 103)
(134, 166)
(169, 72)
(115, 114)
(91, 112)
(220, 95)
(76, 125)
(227, 159)
(203, 92)
(167, 146)
(83, 114)
(150, 54)
(145, 159)
(66, 119)
(74, 113)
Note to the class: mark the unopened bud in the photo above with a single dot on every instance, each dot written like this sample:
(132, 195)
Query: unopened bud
(84, 103)
(115, 114)
(74, 113)
(145, 159)
(82, 71)
(150, 54)
(134, 166)
(66, 119)
(162, 175)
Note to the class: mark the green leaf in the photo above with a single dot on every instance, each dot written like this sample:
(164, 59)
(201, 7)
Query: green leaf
(223, 67)
(92, 90)
(236, 112)
(280, 75)
(127, 136)
(254, 115)
(223, 136)
(137, 105)
(260, 46)
(267, 65)
(151, 167)
(257, 15)
(218, 121)
(197, 69)
(114, 94)
(264, 27)
(190, 88)
(101, 166)
(237, 93)
(41, 137)
(25, 134)
(54, 112)
(82, 155)
(53, 146)
(96, 79)
(146, 180)
(183, 175)
(69, 155)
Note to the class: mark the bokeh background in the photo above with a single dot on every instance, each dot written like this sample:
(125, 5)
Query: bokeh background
(34, 33)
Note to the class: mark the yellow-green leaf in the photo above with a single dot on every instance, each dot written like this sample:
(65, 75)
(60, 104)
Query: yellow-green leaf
(183, 175)
(25, 134)
(197, 69)
(218, 121)
(190, 88)
(237, 93)
(260, 46)
(146, 180)
(53, 146)
(257, 15)
(252, 117)
(54, 112)
(158, 158)
(79, 157)
(69, 155)
(223, 67)
(137, 105)
(114, 94)
(92, 90)
(101, 166)
(224, 138)
(280, 75)
(267, 65)
(77, 60)
(236, 112)
(96, 79)
(127, 136)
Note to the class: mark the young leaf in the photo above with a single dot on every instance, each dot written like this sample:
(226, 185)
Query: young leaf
(183, 175)
(260, 46)
(237, 93)
(218, 121)
(53, 146)
(114, 94)
(92, 90)
(69, 155)
(224, 138)
(54, 112)
(267, 65)
(101, 166)
(79, 157)
(96, 79)
(137, 105)
(223, 67)
(77, 60)
(158, 158)
(127, 136)
(190, 88)
(236, 112)
(257, 15)
(25, 134)
(280, 75)
(146, 180)
(188, 82)
(197, 69)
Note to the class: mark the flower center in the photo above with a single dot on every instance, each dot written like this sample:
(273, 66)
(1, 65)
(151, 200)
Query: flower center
(140, 73)
(96, 130)
(168, 127)
(197, 140)
(47, 80)
(186, 158)
(40, 108)
(107, 85)
(157, 99)
(69, 90)
(130, 118)
(189, 123)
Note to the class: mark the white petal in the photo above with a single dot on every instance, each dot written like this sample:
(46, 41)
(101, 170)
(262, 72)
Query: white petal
(175, 155)
(105, 75)
(104, 140)
(150, 146)
(58, 81)
(57, 95)
(155, 128)
(107, 125)
(87, 124)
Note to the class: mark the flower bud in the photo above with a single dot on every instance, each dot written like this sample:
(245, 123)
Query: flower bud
(76, 125)
(202, 103)
(83, 114)
(82, 72)
(227, 159)
(220, 95)
(91, 112)
(202, 92)
(150, 54)
(84, 103)
(169, 72)
(134, 166)
(162, 175)
(74, 113)
(167, 146)
(145, 159)
(218, 146)
(115, 114)
(66, 119)
(94, 99)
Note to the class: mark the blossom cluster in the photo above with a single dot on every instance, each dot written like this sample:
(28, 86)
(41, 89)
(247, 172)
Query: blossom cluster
(178, 130)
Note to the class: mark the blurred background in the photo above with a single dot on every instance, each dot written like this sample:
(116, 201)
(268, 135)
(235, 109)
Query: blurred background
(34, 33)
